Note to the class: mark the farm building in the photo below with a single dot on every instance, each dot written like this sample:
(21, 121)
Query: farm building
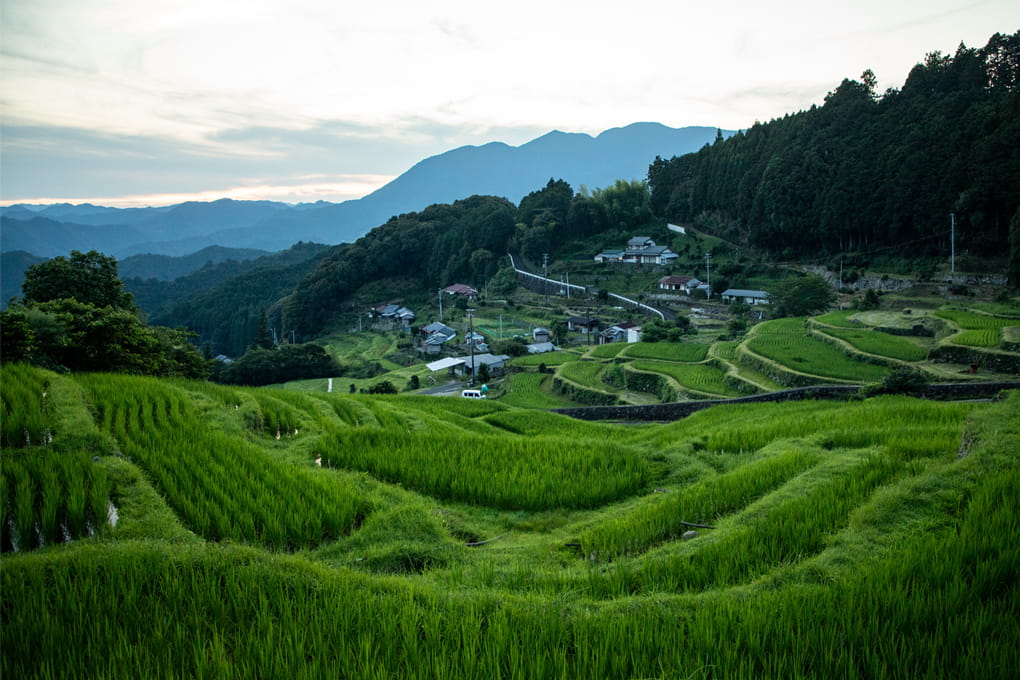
(680, 284)
(627, 331)
(750, 297)
(461, 290)
(582, 324)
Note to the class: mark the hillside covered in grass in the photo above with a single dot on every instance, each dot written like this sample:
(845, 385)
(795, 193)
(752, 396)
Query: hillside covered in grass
(173, 528)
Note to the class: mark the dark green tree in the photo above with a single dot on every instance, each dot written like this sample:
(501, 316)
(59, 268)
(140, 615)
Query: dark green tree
(801, 295)
(90, 278)
(1013, 268)
(262, 337)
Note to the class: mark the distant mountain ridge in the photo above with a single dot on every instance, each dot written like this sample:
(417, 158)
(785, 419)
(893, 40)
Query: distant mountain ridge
(491, 169)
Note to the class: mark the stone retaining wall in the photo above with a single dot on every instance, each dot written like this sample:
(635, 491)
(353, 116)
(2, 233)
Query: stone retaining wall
(678, 410)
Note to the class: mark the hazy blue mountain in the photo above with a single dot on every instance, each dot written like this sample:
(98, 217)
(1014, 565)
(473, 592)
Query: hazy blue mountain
(47, 238)
(12, 273)
(168, 267)
(496, 169)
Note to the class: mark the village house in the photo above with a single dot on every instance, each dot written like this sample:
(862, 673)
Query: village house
(680, 284)
(396, 315)
(749, 297)
(582, 324)
(640, 250)
(627, 331)
(540, 334)
(436, 335)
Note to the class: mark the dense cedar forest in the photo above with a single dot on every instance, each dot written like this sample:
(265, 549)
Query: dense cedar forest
(867, 171)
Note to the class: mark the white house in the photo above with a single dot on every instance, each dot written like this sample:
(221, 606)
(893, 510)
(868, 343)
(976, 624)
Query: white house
(681, 284)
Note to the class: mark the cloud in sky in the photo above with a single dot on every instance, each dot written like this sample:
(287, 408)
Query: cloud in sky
(118, 98)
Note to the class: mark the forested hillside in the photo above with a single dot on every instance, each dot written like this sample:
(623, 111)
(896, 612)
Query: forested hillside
(222, 302)
(867, 170)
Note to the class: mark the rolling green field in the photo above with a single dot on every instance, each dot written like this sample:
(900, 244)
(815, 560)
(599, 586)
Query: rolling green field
(155, 528)
(881, 344)
(704, 378)
(789, 344)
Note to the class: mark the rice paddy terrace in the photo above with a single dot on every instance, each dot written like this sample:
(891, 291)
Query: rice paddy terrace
(845, 347)
(155, 528)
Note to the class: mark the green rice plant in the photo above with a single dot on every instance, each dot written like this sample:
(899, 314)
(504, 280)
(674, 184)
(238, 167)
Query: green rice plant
(667, 351)
(548, 358)
(529, 473)
(882, 344)
(984, 337)
(788, 343)
(532, 391)
(25, 420)
(606, 351)
(704, 378)
(665, 516)
(839, 319)
(586, 373)
(976, 321)
(221, 486)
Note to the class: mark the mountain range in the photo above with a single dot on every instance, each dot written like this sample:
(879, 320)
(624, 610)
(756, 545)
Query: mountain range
(492, 169)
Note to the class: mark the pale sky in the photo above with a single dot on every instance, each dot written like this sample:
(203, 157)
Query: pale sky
(146, 102)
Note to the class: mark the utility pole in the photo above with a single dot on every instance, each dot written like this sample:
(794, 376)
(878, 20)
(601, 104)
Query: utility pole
(708, 269)
(952, 242)
(471, 345)
(440, 304)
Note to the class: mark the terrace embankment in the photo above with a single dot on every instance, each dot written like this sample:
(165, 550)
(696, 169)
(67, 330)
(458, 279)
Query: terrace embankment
(682, 409)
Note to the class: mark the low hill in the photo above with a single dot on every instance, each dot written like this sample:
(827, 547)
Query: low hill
(168, 268)
(12, 268)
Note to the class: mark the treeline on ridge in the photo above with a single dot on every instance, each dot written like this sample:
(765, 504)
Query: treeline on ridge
(867, 171)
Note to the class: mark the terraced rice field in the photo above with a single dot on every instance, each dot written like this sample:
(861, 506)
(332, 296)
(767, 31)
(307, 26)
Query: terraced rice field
(704, 378)
(667, 351)
(789, 344)
(881, 344)
(437, 537)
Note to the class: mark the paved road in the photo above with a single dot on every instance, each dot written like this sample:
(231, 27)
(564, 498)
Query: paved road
(449, 389)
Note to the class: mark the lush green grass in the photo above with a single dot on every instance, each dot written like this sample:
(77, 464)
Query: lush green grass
(607, 351)
(974, 321)
(667, 351)
(881, 344)
(587, 373)
(515, 473)
(984, 337)
(547, 358)
(788, 343)
(532, 390)
(700, 377)
(869, 538)
(839, 319)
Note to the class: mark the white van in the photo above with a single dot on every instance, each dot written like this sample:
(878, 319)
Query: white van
(472, 394)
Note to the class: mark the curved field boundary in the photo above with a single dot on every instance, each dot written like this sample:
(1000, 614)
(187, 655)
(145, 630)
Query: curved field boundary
(678, 410)
(845, 341)
(781, 339)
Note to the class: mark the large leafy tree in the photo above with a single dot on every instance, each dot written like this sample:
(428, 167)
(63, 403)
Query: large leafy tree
(801, 295)
(77, 316)
(90, 278)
